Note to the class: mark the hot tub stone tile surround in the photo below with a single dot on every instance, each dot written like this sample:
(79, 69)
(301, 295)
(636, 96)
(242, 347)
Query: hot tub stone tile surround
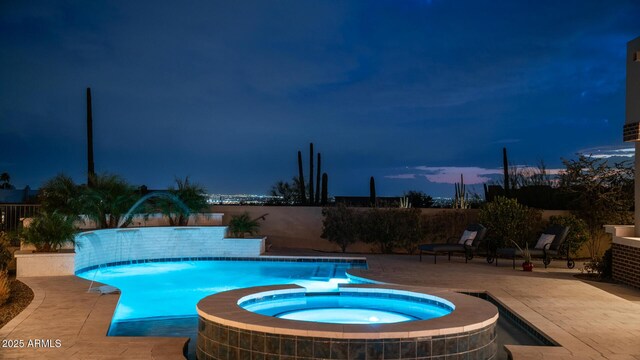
(223, 335)
(226, 342)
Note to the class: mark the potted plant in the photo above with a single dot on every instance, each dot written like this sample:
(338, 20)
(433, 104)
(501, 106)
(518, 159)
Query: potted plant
(242, 224)
(527, 265)
(49, 231)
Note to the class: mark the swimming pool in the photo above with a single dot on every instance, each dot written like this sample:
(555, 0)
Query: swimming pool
(172, 289)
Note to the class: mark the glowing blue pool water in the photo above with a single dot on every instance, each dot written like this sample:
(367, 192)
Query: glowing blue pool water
(362, 306)
(172, 289)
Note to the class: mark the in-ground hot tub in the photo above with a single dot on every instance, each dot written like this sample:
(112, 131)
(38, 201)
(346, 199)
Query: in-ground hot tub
(353, 305)
(357, 322)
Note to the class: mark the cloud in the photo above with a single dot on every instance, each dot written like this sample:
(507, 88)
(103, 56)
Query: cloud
(472, 174)
(401, 176)
(607, 152)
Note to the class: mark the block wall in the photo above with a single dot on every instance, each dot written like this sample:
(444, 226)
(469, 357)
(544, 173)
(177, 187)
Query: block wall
(626, 264)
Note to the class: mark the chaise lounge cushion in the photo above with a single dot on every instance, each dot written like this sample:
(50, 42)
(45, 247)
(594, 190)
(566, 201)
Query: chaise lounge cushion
(467, 237)
(544, 240)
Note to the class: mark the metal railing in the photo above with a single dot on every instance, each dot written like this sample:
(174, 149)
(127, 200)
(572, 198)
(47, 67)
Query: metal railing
(11, 215)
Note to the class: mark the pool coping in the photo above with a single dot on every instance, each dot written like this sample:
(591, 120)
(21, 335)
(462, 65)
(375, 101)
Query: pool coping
(297, 259)
(470, 314)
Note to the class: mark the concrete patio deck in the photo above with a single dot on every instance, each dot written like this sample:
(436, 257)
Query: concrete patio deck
(588, 320)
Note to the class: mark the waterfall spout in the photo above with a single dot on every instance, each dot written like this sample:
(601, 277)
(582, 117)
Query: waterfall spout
(165, 195)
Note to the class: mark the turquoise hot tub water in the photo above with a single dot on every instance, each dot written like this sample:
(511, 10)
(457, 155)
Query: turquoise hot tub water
(362, 306)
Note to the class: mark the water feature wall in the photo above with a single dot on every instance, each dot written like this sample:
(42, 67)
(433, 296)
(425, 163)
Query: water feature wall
(109, 246)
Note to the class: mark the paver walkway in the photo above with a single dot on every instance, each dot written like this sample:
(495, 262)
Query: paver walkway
(63, 310)
(589, 321)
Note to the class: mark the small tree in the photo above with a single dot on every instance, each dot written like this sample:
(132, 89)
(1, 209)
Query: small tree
(193, 196)
(601, 194)
(376, 229)
(242, 224)
(62, 195)
(444, 225)
(286, 193)
(391, 228)
(5, 181)
(409, 231)
(507, 220)
(108, 199)
(578, 234)
(419, 199)
(49, 231)
(340, 225)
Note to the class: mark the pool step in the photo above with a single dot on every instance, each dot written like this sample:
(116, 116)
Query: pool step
(325, 271)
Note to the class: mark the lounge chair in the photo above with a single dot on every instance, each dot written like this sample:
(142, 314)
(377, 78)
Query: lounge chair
(551, 244)
(467, 244)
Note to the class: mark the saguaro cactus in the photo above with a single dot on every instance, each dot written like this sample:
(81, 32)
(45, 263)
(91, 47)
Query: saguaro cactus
(311, 173)
(505, 166)
(318, 182)
(91, 173)
(372, 192)
(325, 180)
(303, 198)
(460, 201)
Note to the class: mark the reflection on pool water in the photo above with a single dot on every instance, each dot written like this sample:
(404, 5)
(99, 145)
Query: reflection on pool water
(346, 316)
(172, 289)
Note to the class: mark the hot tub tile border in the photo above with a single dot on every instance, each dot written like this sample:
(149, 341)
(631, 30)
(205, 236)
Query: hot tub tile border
(480, 344)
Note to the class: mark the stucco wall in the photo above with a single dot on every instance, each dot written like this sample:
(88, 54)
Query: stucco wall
(299, 227)
(44, 264)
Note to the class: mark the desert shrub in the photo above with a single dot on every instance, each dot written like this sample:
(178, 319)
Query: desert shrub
(578, 233)
(61, 194)
(439, 227)
(340, 225)
(5, 253)
(242, 224)
(601, 194)
(49, 231)
(5, 289)
(418, 199)
(376, 228)
(193, 196)
(507, 220)
(601, 266)
(391, 228)
(409, 230)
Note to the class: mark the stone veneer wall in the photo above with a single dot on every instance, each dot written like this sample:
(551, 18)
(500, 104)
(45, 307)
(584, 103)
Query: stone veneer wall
(225, 342)
(626, 264)
(121, 245)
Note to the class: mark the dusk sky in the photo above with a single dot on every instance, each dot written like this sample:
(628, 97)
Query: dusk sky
(226, 92)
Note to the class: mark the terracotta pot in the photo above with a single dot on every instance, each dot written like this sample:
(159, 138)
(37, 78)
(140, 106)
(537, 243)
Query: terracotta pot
(527, 266)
